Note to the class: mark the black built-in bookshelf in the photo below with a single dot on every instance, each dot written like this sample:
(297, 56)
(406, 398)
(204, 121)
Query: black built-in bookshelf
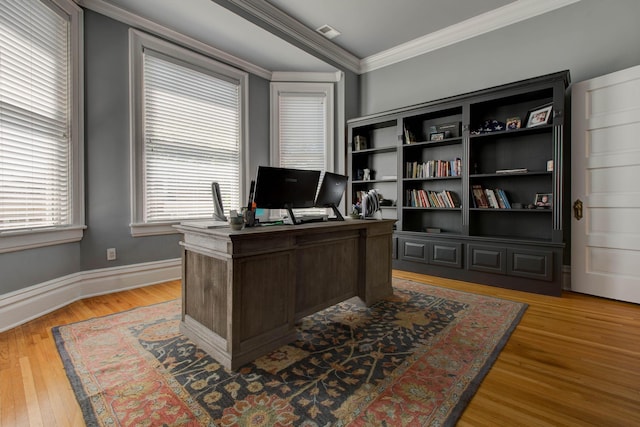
(429, 159)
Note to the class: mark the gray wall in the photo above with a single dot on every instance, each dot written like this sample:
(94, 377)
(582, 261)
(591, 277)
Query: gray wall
(589, 38)
(107, 179)
(107, 176)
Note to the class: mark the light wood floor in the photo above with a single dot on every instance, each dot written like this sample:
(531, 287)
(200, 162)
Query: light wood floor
(572, 361)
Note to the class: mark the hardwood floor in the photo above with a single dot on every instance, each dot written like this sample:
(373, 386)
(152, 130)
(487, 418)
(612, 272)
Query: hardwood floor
(572, 361)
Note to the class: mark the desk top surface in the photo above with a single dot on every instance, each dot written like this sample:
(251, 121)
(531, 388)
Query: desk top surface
(324, 226)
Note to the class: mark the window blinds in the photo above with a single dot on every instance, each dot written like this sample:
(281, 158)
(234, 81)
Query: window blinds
(35, 183)
(302, 139)
(302, 134)
(192, 138)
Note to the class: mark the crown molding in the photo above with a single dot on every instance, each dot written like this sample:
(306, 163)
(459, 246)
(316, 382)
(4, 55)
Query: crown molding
(284, 23)
(512, 13)
(151, 27)
(294, 76)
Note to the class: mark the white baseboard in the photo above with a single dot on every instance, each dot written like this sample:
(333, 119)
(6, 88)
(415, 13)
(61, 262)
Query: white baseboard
(26, 304)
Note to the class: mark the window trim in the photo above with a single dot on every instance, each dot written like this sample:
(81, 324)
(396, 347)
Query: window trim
(17, 240)
(279, 88)
(137, 42)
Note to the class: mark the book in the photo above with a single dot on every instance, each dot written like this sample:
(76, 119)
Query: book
(493, 202)
(504, 198)
(455, 200)
(480, 196)
(518, 170)
(501, 204)
(409, 137)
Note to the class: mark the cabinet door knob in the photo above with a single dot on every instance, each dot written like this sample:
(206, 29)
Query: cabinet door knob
(577, 209)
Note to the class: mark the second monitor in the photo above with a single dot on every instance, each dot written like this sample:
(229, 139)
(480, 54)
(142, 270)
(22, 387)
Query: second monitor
(331, 191)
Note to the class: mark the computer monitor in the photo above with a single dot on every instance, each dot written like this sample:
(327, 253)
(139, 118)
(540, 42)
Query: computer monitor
(331, 191)
(285, 188)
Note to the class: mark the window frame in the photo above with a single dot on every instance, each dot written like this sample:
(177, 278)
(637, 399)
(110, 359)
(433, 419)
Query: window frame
(21, 239)
(138, 41)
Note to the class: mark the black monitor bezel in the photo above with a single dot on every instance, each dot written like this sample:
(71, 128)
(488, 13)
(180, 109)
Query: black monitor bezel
(298, 195)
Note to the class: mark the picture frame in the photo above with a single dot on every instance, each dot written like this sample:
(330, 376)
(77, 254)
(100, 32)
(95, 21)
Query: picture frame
(543, 201)
(438, 136)
(539, 116)
(359, 143)
(513, 123)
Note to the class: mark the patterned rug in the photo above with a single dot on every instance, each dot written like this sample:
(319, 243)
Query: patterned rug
(414, 359)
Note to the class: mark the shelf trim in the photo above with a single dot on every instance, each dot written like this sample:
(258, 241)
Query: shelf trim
(420, 208)
(388, 148)
(431, 178)
(373, 181)
(495, 175)
(537, 129)
(510, 210)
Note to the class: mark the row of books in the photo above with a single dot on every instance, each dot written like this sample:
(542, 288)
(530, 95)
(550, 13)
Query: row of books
(433, 169)
(432, 199)
(489, 198)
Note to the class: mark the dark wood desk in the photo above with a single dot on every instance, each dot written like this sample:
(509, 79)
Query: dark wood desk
(243, 291)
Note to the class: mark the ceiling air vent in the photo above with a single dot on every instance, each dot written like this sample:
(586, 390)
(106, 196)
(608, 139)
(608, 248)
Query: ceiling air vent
(328, 31)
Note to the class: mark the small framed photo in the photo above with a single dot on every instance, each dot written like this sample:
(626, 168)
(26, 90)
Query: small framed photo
(539, 116)
(513, 123)
(544, 200)
(359, 143)
(438, 136)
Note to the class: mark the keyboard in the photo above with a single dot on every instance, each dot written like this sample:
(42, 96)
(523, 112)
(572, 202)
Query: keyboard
(205, 224)
(304, 219)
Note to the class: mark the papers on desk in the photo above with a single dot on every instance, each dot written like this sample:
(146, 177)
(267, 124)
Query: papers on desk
(209, 223)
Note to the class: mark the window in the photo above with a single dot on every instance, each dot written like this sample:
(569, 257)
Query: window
(41, 188)
(187, 133)
(302, 126)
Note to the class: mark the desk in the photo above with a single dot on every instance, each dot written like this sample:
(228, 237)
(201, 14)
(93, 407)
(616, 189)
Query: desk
(243, 291)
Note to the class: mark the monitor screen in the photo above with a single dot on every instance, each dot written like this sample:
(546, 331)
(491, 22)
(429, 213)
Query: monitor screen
(284, 188)
(331, 191)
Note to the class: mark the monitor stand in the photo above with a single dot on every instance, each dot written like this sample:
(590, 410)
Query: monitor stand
(294, 221)
(336, 211)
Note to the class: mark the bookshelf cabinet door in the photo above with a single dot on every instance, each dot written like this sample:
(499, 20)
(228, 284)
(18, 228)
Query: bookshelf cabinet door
(530, 264)
(448, 254)
(489, 259)
(414, 250)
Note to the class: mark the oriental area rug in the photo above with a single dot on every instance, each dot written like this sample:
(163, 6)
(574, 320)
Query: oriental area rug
(413, 359)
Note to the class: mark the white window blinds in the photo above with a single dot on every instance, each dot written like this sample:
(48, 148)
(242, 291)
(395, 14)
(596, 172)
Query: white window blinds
(304, 127)
(35, 179)
(192, 138)
(302, 136)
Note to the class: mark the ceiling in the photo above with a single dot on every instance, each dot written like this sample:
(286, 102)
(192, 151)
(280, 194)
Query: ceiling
(374, 33)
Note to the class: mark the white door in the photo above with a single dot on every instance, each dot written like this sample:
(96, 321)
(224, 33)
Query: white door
(605, 178)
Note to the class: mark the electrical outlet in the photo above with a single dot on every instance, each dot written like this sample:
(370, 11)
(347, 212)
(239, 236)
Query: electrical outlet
(111, 254)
